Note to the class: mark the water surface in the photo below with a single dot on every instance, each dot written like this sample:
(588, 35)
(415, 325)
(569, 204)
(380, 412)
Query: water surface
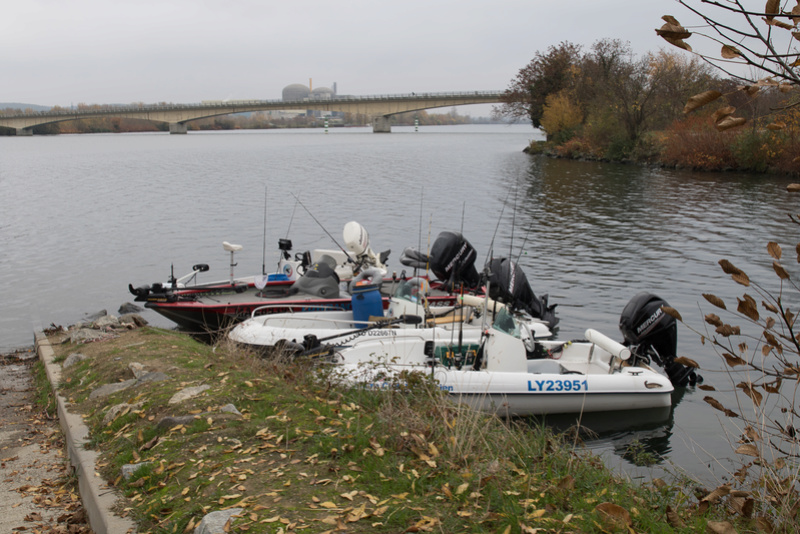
(84, 215)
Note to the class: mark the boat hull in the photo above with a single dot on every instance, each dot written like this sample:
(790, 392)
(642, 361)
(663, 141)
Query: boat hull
(521, 394)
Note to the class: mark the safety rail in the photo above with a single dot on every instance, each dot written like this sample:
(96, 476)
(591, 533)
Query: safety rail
(291, 307)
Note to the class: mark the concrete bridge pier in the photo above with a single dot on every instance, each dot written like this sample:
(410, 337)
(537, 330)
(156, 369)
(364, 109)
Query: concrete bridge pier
(23, 132)
(381, 124)
(177, 128)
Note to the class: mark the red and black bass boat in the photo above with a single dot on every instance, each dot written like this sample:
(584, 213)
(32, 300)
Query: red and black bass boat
(309, 279)
(320, 280)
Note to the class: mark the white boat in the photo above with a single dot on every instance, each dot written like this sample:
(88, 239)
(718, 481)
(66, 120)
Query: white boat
(511, 371)
(412, 311)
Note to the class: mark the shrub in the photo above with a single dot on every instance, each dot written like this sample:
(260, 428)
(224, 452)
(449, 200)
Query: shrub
(695, 143)
(604, 132)
(752, 150)
(574, 148)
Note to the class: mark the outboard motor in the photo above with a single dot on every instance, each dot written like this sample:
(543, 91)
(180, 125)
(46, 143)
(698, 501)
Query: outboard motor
(452, 260)
(651, 333)
(356, 239)
(320, 280)
(508, 284)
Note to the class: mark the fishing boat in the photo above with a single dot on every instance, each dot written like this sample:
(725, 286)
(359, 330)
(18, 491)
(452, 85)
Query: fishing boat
(414, 310)
(512, 373)
(307, 280)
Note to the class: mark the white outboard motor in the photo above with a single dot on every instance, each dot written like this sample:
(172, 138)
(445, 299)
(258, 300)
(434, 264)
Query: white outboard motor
(356, 239)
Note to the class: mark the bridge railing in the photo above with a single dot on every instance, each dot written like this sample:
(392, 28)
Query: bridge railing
(105, 109)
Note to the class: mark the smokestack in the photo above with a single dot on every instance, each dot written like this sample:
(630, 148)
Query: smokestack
(309, 84)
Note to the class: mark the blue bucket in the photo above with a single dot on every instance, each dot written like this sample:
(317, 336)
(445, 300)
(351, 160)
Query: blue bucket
(367, 302)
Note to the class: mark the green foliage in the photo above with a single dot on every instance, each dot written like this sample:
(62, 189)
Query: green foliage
(604, 132)
(619, 148)
(751, 150)
(47, 129)
(648, 148)
(536, 147)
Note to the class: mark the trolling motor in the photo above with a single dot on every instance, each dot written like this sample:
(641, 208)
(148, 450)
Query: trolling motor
(230, 247)
(651, 333)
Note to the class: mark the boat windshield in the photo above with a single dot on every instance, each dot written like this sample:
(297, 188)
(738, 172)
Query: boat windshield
(412, 289)
(505, 322)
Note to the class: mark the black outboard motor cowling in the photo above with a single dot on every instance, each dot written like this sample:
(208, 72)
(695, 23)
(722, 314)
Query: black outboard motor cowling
(452, 260)
(652, 333)
(508, 284)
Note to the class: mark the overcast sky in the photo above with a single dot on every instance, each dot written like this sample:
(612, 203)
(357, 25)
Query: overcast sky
(56, 52)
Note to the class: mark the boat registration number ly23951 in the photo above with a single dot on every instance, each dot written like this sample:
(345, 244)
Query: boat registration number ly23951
(558, 385)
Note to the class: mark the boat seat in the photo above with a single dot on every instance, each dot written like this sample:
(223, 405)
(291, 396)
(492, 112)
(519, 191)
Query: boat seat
(549, 367)
(231, 247)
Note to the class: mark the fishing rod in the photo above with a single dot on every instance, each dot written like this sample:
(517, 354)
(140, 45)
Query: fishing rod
(264, 247)
(291, 219)
(497, 227)
(285, 245)
(463, 209)
(513, 221)
(311, 344)
(349, 258)
(419, 242)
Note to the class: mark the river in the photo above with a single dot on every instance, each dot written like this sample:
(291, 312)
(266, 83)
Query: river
(85, 215)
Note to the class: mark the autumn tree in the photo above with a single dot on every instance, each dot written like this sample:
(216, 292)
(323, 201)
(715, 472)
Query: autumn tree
(561, 116)
(546, 74)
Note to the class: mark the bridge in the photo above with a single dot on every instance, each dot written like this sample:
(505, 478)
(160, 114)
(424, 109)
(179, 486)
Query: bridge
(379, 107)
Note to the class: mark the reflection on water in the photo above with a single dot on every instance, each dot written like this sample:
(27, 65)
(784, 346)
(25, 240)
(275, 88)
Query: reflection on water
(639, 437)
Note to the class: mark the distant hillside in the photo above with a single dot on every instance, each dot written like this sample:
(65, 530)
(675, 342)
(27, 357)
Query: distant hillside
(17, 105)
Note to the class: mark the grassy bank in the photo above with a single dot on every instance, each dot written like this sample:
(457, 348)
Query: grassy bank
(305, 454)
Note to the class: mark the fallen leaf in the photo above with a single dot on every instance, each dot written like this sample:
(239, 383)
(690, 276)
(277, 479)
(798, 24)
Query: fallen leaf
(613, 514)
